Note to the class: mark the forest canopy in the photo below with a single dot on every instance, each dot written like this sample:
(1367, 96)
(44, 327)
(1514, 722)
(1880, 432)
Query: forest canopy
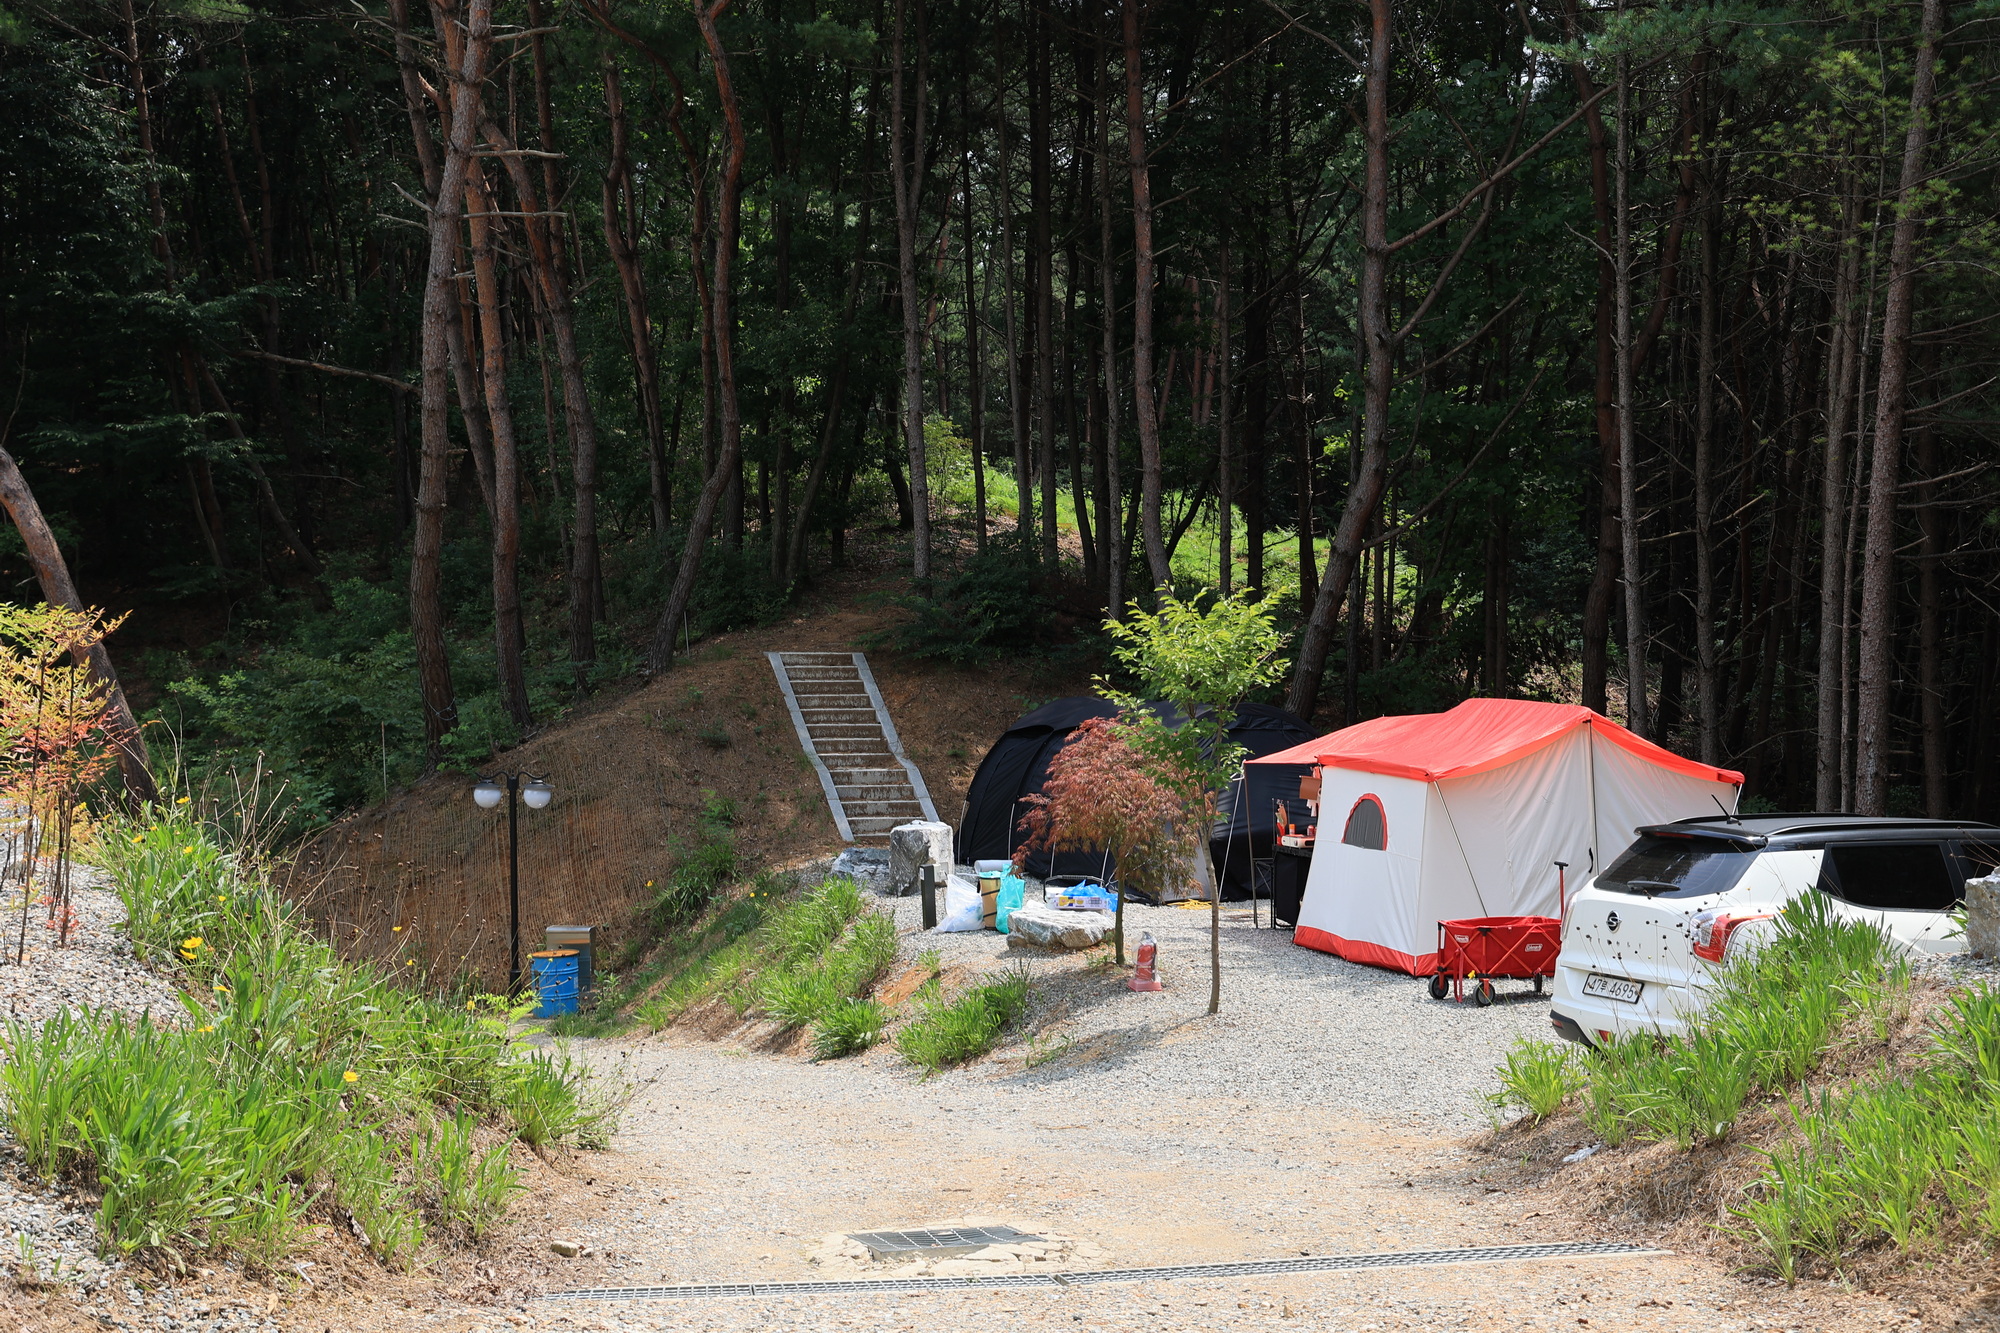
(428, 364)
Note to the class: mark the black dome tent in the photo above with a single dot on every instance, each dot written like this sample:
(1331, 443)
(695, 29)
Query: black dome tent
(1018, 765)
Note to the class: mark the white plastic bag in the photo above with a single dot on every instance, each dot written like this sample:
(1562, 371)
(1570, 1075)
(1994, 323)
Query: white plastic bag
(962, 905)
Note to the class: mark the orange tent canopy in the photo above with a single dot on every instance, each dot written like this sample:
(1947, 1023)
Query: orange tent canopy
(1477, 735)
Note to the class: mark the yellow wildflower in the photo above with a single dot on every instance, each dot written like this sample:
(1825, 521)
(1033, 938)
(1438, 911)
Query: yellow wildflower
(141, 838)
(187, 849)
(350, 1077)
(182, 801)
(206, 1027)
(393, 929)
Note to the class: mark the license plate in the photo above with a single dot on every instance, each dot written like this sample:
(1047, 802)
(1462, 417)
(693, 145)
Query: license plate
(1622, 989)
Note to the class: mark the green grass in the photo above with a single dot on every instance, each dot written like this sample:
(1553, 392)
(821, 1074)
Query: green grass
(293, 1087)
(1903, 1160)
(1538, 1077)
(1768, 1023)
(804, 961)
(950, 1032)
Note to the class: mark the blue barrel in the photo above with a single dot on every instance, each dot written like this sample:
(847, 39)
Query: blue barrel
(555, 980)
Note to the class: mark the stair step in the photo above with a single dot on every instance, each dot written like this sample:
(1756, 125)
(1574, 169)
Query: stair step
(844, 727)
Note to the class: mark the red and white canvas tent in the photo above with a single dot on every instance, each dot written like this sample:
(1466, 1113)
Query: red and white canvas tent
(1440, 816)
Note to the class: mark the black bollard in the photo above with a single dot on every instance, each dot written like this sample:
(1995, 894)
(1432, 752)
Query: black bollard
(929, 879)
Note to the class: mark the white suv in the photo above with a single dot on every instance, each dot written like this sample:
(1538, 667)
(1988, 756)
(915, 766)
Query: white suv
(1642, 941)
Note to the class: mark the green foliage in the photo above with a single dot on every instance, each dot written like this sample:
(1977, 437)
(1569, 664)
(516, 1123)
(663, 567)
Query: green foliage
(950, 1032)
(1766, 1025)
(804, 961)
(1203, 661)
(471, 1188)
(702, 870)
(1902, 1159)
(1538, 1077)
(824, 952)
(293, 1076)
(993, 606)
(847, 1027)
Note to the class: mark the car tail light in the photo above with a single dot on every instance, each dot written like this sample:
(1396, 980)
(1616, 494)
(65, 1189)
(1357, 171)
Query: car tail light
(1710, 937)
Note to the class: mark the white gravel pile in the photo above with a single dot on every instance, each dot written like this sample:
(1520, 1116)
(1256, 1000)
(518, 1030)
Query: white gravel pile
(1296, 1025)
(96, 970)
(1956, 969)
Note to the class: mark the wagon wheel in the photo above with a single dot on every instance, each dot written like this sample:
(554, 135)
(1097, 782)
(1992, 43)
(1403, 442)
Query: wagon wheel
(1538, 985)
(1440, 986)
(1484, 995)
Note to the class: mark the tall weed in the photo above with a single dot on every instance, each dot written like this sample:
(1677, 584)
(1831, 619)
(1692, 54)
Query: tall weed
(953, 1031)
(291, 1080)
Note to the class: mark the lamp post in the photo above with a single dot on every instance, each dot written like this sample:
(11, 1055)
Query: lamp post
(518, 789)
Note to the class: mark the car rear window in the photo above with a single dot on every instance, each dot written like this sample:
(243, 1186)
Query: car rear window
(1892, 877)
(1657, 867)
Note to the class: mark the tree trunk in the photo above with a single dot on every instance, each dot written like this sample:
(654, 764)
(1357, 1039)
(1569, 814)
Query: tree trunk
(621, 239)
(584, 573)
(906, 167)
(1930, 685)
(1041, 150)
(52, 572)
(1599, 596)
(1142, 308)
(1372, 302)
(1842, 368)
(729, 210)
(975, 391)
(465, 51)
(1017, 414)
(1878, 611)
(1637, 715)
(508, 633)
(1112, 531)
(1225, 476)
(1708, 698)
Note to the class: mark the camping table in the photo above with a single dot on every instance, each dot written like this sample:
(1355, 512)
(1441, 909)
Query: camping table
(1288, 882)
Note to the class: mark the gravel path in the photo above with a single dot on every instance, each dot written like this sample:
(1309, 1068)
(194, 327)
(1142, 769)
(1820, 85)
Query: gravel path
(1327, 1110)
(1296, 1025)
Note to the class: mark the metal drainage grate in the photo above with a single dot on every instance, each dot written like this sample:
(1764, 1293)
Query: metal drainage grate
(939, 1240)
(1328, 1263)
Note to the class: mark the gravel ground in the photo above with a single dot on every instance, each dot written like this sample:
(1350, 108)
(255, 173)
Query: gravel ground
(1297, 1025)
(1326, 1111)
(95, 970)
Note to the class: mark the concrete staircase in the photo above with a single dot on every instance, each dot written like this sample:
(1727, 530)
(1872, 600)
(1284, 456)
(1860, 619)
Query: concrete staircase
(843, 725)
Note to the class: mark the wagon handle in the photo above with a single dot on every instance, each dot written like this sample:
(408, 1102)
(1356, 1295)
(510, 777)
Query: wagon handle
(1562, 889)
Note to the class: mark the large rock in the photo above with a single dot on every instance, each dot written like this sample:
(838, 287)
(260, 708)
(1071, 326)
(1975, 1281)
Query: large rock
(866, 866)
(1052, 928)
(1982, 916)
(914, 846)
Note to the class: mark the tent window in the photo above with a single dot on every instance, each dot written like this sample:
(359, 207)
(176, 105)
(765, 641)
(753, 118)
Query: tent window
(1366, 826)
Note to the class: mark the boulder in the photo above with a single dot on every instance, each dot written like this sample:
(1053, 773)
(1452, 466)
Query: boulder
(1982, 916)
(914, 846)
(1034, 925)
(866, 866)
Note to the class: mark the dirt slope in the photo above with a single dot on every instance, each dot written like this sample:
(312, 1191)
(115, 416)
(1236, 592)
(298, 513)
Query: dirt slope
(423, 876)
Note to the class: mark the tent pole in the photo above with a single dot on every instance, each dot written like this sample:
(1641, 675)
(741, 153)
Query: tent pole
(1590, 768)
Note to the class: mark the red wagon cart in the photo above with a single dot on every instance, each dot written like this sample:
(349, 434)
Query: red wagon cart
(1482, 948)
